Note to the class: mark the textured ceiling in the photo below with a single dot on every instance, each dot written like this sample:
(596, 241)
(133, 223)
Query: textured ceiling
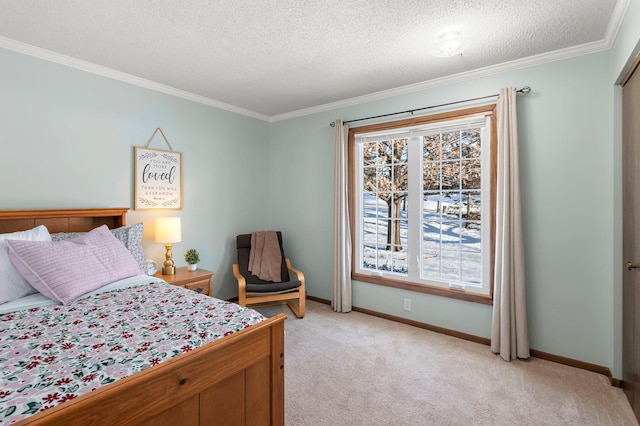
(275, 57)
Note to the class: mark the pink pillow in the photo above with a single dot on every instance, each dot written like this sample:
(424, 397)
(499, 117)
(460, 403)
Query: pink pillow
(65, 270)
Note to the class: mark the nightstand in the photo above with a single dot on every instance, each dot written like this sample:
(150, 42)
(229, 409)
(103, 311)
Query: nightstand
(198, 280)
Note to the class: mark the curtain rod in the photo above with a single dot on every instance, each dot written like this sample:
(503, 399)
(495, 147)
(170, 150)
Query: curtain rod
(525, 90)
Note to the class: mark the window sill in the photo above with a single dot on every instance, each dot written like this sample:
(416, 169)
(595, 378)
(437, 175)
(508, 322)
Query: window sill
(421, 288)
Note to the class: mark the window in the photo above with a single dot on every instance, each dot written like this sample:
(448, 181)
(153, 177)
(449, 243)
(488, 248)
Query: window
(422, 203)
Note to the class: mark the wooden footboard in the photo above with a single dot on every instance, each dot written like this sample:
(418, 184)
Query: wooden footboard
(237, 380)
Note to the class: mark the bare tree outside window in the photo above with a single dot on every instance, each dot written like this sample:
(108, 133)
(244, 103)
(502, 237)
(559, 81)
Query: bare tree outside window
(387, 178)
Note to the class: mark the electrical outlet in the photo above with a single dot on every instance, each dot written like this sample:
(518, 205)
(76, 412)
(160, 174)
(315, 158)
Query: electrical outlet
(407, 304)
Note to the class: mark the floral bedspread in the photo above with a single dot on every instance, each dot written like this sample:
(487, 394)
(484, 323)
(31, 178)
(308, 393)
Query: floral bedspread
(52, 354)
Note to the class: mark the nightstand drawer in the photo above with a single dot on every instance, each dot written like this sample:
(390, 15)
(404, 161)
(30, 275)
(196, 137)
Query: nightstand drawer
(202, 286)
(198, 280)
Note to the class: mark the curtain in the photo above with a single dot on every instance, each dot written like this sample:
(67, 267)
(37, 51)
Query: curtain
(509, 331)
(341, 301)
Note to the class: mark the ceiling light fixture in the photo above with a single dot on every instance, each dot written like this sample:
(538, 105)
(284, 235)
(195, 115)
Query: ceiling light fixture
(450, 44)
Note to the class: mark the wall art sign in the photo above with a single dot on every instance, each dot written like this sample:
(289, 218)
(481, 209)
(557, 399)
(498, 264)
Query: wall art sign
(158, 179)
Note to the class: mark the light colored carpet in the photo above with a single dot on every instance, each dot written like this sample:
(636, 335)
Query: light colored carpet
(356, 369)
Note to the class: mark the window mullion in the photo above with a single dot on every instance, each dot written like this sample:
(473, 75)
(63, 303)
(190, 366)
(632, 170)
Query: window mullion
(460, 198)
(414, 236)
(486, 206)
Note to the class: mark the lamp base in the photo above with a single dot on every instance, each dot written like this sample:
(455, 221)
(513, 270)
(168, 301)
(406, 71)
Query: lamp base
(167, 266)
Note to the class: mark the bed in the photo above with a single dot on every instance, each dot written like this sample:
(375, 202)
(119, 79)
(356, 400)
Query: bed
(235, 379)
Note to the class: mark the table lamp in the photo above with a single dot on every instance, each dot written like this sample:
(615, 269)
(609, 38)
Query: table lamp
(168, 231)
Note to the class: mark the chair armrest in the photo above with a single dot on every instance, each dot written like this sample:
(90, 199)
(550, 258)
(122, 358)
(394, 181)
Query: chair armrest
(242, 285)
(298, 273)
(242, 282)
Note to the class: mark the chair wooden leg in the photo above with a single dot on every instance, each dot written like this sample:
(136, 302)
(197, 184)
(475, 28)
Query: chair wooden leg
(295, 309)
(299, 309)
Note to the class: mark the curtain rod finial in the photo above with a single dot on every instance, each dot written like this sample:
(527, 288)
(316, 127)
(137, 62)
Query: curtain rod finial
(525, 90)
(332, 124)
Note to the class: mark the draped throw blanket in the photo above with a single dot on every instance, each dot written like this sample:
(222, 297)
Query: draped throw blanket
(265, 257)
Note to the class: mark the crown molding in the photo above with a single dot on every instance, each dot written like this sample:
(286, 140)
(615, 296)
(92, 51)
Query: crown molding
(47, 55)
(517, 64)
(584, 49)
(619, 11)
(615, 23)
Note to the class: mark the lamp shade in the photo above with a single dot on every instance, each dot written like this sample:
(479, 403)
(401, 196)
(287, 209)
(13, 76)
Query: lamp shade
(168, 230)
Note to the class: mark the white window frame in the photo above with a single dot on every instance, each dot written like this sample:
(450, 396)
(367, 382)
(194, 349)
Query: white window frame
(414, 134)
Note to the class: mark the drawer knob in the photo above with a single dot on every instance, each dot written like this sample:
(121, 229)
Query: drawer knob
(199, 290)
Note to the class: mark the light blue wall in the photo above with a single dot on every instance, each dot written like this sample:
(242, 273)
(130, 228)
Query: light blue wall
(565, 156)
(67, 138)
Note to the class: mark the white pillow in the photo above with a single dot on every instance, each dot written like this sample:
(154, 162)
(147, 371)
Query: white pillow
(12, 285)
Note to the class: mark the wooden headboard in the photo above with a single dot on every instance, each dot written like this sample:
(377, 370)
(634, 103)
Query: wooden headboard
(62, 220)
